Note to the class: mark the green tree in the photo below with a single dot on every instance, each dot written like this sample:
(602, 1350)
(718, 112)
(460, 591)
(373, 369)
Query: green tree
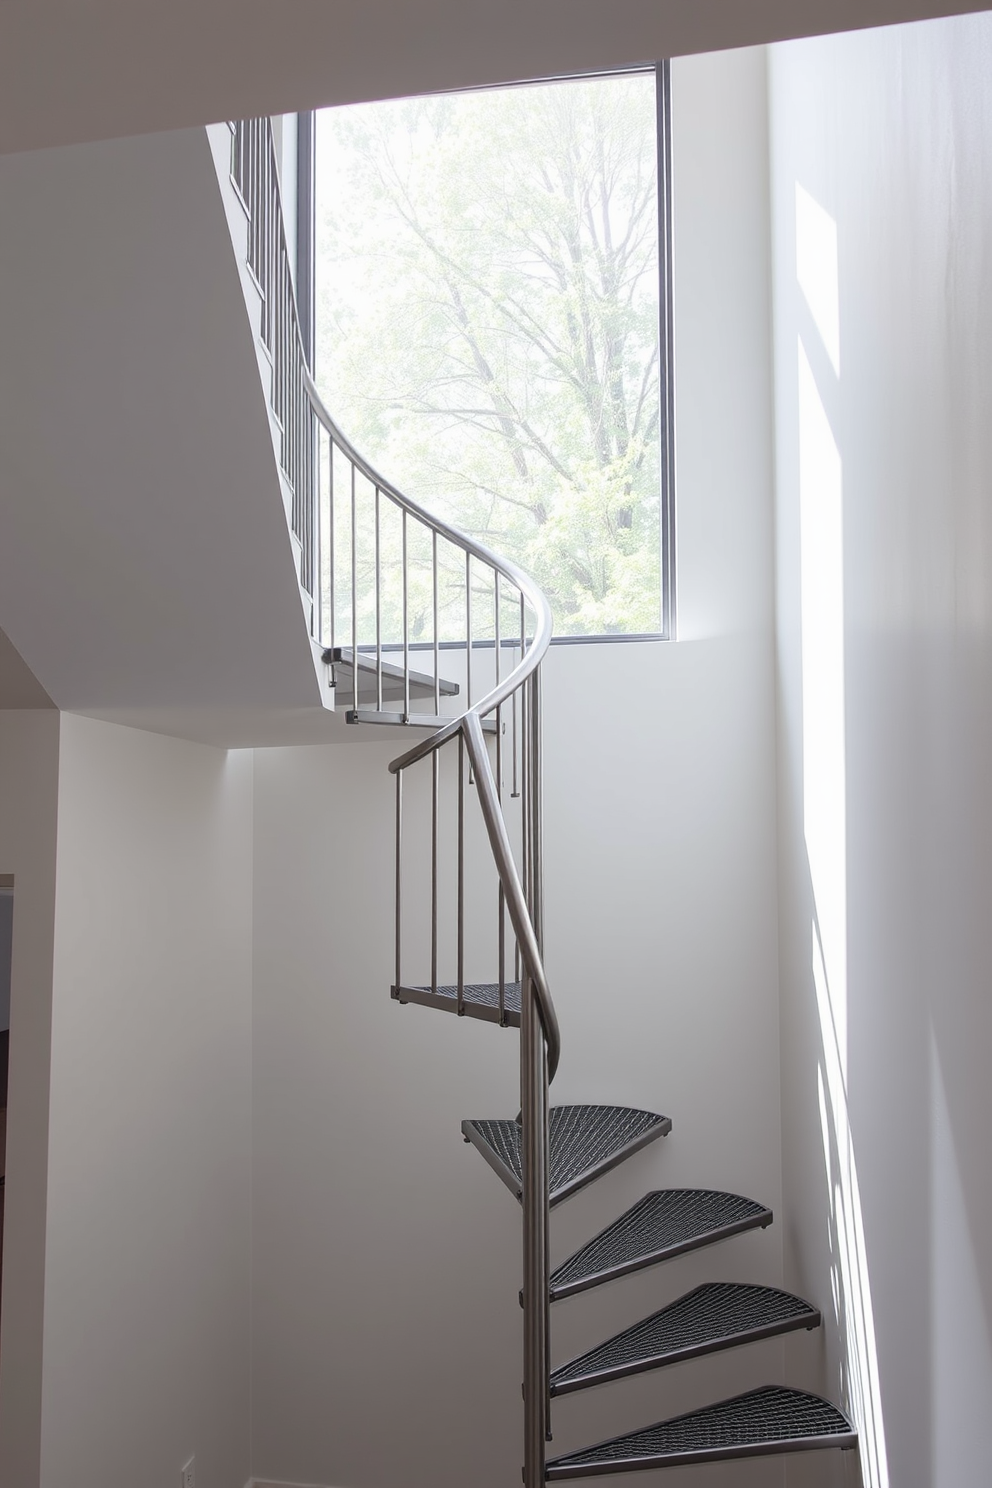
(488, 324)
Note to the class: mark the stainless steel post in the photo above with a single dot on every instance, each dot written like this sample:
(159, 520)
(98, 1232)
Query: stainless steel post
(399, 877)
(460, 913)
(378, 603)
(534, 1151)
(536, 907)
(406, 626)
(437, 644)
(354, 595)
(435, 773)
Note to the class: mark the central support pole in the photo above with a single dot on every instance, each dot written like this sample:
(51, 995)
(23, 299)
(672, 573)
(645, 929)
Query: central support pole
(534, 1144)
(534, 1133)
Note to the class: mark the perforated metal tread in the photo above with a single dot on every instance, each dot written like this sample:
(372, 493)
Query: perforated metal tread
(479, 1000)
(717, 1315)
(342, 659)
(662, 1224)
(759, 1424)
(584, 1141)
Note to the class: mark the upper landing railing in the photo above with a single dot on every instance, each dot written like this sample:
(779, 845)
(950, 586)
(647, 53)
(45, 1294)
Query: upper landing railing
(386, 578)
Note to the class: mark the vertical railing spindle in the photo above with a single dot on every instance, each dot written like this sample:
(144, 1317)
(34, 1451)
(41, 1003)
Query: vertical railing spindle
(378, 608)
(330, 525)
(461, 875)
(437, 641)
(435, 782)
(406, 626)
(399, 876)
(468, 627)
(354, 594)
(501, 892)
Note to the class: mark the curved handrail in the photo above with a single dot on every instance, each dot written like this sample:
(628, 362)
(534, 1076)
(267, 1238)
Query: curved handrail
(469, 723)
(302, 416)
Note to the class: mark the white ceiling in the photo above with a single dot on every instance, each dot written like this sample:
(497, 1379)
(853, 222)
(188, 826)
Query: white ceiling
(73, 70)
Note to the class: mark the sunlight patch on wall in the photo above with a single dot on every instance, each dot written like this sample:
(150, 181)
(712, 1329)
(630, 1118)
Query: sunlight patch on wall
(824, 778)
(849, 1280)
(816, 270)
(961, 1348)
(825, 825)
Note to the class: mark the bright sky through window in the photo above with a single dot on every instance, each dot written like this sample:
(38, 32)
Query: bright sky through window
(487, 324)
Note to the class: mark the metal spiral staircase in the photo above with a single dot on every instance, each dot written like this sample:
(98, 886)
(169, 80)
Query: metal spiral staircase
(379, 573)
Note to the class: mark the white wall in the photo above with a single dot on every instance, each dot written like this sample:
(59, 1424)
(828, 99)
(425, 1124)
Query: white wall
(386, 1330)
(29, 756)
(146, 1332)
(885, 646)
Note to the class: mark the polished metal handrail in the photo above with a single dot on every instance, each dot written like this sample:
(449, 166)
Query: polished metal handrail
(305, 425)
(469, 723)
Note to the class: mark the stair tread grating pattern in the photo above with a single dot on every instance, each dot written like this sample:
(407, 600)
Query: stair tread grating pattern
(665, 1222)
(771, 1419)
(479, 1000)
(485, 994)
(582, 1142)
(715, 1315)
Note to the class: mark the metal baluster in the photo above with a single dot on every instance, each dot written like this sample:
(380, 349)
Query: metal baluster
(496, 619)
(461, 874)
(256, 206)
(525, 795)
(319, 531)
(435, 781)
(499, 796)
(517, 704)
(437, 646)
(468, 627)
(534, 1184)
(313, 486)
(515, 787)
(501, 895)
(330, 524)
(378, 608)
(537, 808)
(399, 875)
(406, 627)
(536, 906)
(354, 597)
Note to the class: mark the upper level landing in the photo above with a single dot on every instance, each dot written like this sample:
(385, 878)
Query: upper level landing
(146, 571)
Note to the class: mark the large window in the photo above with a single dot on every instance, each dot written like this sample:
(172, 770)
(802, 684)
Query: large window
(491, 325)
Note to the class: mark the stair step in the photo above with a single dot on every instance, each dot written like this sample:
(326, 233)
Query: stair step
(662, 1224)
(479, 1000)
(584, 1141)
(717, 1315)
(396, 718)
(342, 660)
(761, 1423)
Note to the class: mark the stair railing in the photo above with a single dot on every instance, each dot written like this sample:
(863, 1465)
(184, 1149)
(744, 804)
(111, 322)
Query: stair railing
(381, 571)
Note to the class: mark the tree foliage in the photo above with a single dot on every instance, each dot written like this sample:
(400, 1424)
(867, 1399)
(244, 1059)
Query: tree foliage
(488, 324)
